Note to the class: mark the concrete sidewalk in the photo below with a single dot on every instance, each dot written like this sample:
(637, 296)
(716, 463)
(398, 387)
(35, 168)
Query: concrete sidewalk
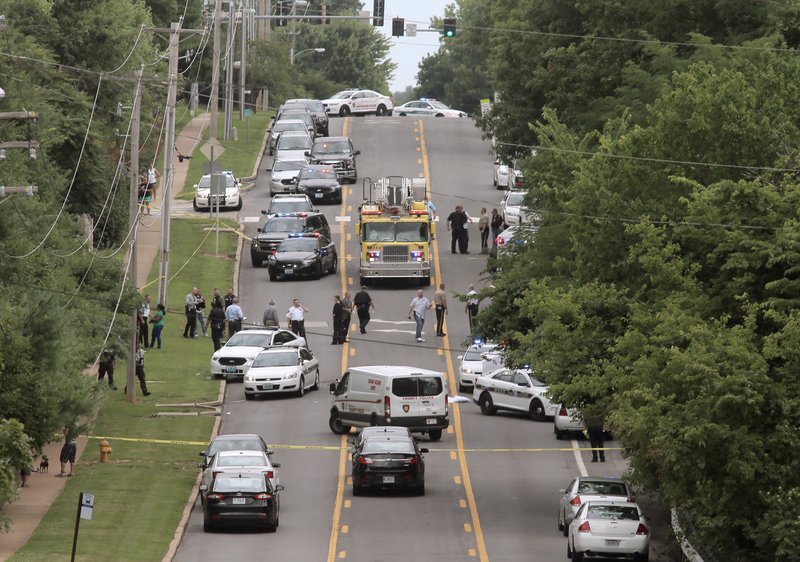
(33, 502)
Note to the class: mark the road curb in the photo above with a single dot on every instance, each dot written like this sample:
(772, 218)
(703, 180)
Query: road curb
(254, 175)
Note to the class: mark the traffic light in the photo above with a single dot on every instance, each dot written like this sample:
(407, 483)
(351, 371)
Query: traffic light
(398, 27)
(377, 13)
(449, 27)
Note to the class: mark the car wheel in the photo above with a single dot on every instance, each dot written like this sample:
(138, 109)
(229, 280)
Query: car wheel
(363, 281)
(334, 264)
(344, 111)
(318, 272)
(569, 551)
(577, 556)
(559, 433)
(560, 523)
(402, 114)
(239, 206)
(486, 404)
(425, 281)
(440, 115)
(357, 490)
(218, 376)
(421, 489)
(462, 388)
(255, 261)
(435, 434)
(194, 206)
(272, 528)
(537, 411)
(249, 396)
(316, 381)
(381, 111)
(336, 425)
(301, 390)
(272, 275)
(208, 526)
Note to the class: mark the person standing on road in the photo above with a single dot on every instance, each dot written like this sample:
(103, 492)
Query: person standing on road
(105, 366)
(440, 303)
(228, 298)
(270, 319)
(296, 315)
(418, 308)
(190, 330)
(362, 303)
(216, 319)
(471, 307)
(143, 317)
(347, 307)
(483, 227)
(235, 317)
(457, 225)
(157, 320)
(338, 339)
(595, 431)
(496, 223)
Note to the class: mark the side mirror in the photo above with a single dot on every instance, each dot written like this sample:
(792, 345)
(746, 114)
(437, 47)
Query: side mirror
(332, 387)
(460, 357)
(307, 153)
(258, 229)
(268, 169)
(270, 452)
(202, 453)
(276, 465)
(203, 487)
(194, 186)
(263, 212)
(269, 130)
(424, 450)
(562, 491)
(202, 466)
(279, 488)
(356, 153)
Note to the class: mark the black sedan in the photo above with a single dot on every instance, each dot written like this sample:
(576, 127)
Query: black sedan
(320, 183)
(388, 461)
(246, 497)
(301, 255)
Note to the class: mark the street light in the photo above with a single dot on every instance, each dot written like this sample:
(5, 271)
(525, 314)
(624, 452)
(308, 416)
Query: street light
(294, 32)
(315, 49)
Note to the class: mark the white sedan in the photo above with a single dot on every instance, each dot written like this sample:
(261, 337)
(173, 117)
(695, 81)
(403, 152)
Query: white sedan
(609, 529)
(511, 208)
(515, 390)
(472, 363)
(230, 198)
(358, 102)
(237, 355)
(279, 370)
(429, 107)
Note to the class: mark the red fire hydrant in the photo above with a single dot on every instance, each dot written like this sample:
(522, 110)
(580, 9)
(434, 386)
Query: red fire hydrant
(105, 450)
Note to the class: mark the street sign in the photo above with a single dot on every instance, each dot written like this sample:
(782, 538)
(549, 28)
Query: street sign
(248, 112)
(411, 30)
(87, 506)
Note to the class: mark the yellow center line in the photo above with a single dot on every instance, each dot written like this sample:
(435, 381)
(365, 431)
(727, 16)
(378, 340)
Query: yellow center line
(456, 413)
(337, 505)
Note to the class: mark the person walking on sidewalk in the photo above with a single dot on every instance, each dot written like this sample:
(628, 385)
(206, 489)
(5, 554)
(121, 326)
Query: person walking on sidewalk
(296, 316)
(105, 366)
(347, 307)
(201, 321)
(157, 320)
(471, 307)
(144, 318)
(235, 317)
(362, 303)
(69, 451)
(140, 374)
(190, 309)
(270, 319)
(440, 303)
(152, 178)
(483, 227)
(216, 319)
(418, 309)
(338, 339)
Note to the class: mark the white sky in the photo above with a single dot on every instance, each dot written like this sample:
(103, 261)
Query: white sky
(407, 52)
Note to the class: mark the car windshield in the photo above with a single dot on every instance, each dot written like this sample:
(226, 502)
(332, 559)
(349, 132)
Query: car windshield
(293, 143)
(475, 353)
(240, 484)
(300, 113)
(288, 207)
(288, 166)
(298, 245)
(537, 383)
(241, 460)
(205, 182)
(313, 174)
(396, 232)
(515, 199)
(315, 106)
(342, 95)
(332, 147)
(284, 225)
(383, 445)
(245, 444)
(613, 512)
(602, 488)
(417, 386)
(282, 126)
(244, 339)
(283, 359)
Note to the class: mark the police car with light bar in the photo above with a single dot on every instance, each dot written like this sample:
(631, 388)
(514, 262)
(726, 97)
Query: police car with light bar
(515, 390)
(358, 102)
(303, 254)
(429, 107)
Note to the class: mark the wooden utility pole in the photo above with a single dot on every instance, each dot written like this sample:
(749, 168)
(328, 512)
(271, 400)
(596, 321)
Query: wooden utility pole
(242, 61)
(231, 55)
(133, 210)
(214, 103)
(167, 175)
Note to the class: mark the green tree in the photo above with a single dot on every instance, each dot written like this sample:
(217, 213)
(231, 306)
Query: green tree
(15, 454)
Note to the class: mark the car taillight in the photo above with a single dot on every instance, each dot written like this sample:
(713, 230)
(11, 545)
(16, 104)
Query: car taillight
(415, 459)
(387, 407)
(642, 530)
(584, 528)
(269, 474)
(262, 497)
(576, 501)
(563, 411)
(364, 460)
(446, 405)
(500, 241)
(217, 497)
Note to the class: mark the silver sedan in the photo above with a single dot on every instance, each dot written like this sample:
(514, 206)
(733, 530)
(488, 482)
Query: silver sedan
(284, 172)
(607, 529)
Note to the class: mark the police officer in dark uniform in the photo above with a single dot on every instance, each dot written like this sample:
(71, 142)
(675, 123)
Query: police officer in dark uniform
(457, 225)
(106, 366)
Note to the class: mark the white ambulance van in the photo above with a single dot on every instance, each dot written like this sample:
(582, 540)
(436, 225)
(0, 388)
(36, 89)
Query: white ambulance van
(390, 395)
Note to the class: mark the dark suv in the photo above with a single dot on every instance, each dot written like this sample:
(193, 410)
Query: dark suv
(338, 153)
(278, 228)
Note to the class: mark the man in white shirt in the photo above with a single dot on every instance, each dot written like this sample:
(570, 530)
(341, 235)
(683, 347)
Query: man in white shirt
(418, 308)
(234, 316)
(296, 315)
(472, 307)
(144, 318)
(190, 330)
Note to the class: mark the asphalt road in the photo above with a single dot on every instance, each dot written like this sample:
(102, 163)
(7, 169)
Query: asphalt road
(492, 482)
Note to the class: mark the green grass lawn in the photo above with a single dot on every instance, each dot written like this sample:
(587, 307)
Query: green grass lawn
(239, 155)
(140, 494)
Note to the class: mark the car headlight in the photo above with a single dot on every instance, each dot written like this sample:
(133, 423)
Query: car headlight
(248, 378)
(466, 370)
(215, 357)
(309, 261)
(290, 376)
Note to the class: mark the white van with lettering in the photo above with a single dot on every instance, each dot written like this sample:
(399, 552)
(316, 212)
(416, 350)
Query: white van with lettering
(390, 395)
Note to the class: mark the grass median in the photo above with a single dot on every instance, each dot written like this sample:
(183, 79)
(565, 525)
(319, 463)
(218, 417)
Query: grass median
(237, 156)
(140, 493)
